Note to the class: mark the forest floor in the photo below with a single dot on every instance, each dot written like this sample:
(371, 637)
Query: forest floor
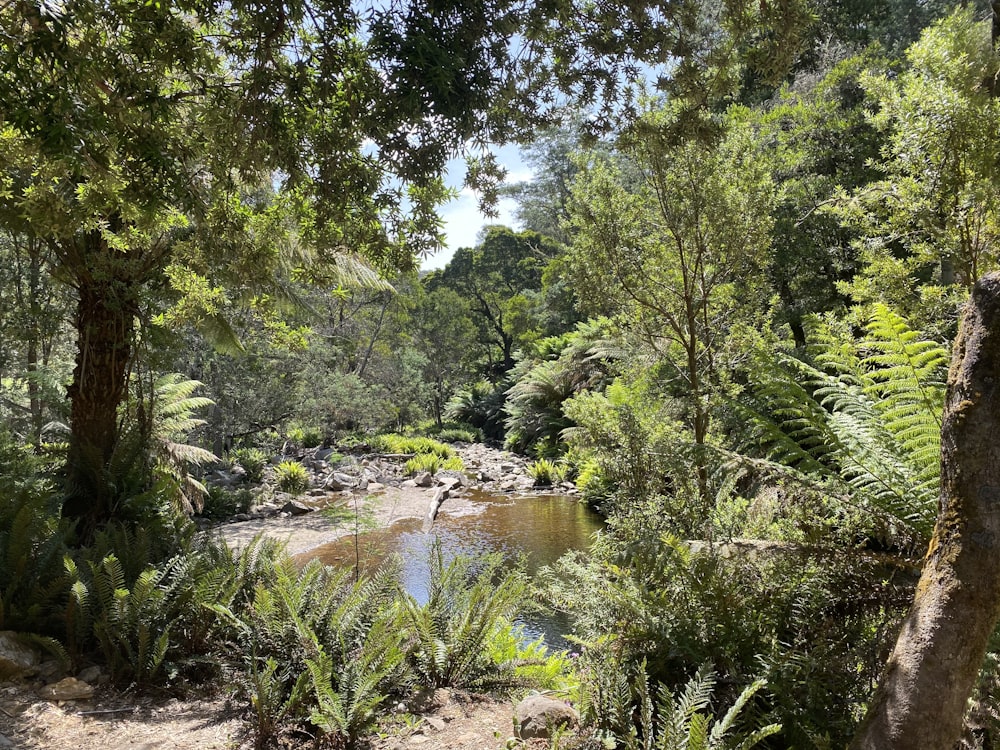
(114, 720)
(121, 721)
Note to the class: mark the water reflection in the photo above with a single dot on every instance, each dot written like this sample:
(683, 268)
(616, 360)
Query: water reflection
(538, 527)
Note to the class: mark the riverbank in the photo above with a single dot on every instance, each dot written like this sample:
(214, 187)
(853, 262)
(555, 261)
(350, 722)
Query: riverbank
(373, 494)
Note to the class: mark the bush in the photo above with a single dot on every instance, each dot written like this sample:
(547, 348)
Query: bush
(458, 435)
(395, 443)
(451, 640)
(222, 502)
(291, 477)
(432, 464)
(307, 437)
(545, 472)
(253, 461)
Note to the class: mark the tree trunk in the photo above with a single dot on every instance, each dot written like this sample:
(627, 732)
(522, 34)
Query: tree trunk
(105, 321)
(933, 668)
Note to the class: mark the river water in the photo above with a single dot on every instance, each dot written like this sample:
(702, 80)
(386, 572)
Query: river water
(539, 528)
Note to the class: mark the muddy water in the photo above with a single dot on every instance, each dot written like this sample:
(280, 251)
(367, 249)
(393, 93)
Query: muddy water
(538, 527)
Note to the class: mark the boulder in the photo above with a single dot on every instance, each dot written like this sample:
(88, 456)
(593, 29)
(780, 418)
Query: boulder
(294, 508)
(322, 454)
(68, 689)
(17, 658)
(538, 716)
(423, 479)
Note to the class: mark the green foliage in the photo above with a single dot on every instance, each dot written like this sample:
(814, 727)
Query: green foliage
(812, 624)
(545, 472)
(291, 477)
(861, 418)
(560, 367)
(470, 605)
(253, 461)
(482, 406)
(322, 650)
(625, 711)
(222, 502)
(306, 437)
(33, 541)
(458, 435)
(432, 463)
(395, 443)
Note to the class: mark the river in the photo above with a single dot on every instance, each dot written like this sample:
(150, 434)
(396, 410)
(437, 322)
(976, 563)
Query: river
(539, 528)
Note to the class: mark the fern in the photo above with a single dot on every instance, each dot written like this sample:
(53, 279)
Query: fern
(863, 419)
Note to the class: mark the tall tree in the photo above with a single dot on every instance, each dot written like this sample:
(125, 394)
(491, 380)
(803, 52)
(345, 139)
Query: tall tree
(674, 240)
(922, 696)
(494, 277)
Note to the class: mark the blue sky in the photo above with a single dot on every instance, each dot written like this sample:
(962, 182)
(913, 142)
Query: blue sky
(461, 216)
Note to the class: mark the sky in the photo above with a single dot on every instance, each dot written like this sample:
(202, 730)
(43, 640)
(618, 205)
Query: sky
(461, 216)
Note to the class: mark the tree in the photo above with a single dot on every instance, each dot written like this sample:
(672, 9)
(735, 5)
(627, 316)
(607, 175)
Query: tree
(675, 242)
(495, 277)
(921, 699)
(444, 335)
(930, 227)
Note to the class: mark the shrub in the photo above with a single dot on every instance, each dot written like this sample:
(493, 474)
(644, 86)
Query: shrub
(458, 435)
(453, 638)
(253, 461)
(222, 502)
(433, 463)
(291, 477)
(395, 443)
(545, 472)
(307, 437)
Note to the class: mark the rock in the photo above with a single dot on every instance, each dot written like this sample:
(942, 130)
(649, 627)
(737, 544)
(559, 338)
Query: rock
(322, 454)
(50, 670)
(408, 483)
(68, 689)
(90, 674)
(449, 483)
(426, 700)
(332, 484)
(423, 479)
(317, 492)
(363, 484)
(345, 479)
(241, 517)
(438, 725)
(508, 468)
(537, 716)
(375, 486)
(17, 659)
(294, 508)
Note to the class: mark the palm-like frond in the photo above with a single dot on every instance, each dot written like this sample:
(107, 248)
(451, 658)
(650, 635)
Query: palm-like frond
(862, 417)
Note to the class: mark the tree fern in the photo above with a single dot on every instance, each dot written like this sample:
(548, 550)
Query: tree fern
(862, 418)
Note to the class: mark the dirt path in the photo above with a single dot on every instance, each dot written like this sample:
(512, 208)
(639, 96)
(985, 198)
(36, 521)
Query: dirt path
(113, 721)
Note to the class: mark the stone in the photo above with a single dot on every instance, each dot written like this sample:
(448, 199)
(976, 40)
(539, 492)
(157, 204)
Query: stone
(345, 479)
(408, 483)
(375, 487)
(317, 492)
(333, 484)
(438, 725)
(49, 670)
(426, 700)
(17, 659)
(323, 454)
(90, 675)
(6, 742)
(538, 716)
(294, 508)
(450, 483)
(68, 689)
(423, 479)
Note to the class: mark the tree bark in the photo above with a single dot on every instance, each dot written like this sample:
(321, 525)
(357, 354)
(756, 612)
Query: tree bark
(931, 673)
(105, 323)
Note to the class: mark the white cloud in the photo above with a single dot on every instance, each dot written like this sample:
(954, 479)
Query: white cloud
(462, 218)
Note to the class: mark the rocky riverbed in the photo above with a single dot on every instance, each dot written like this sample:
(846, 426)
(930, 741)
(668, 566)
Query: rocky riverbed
(363, 491)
